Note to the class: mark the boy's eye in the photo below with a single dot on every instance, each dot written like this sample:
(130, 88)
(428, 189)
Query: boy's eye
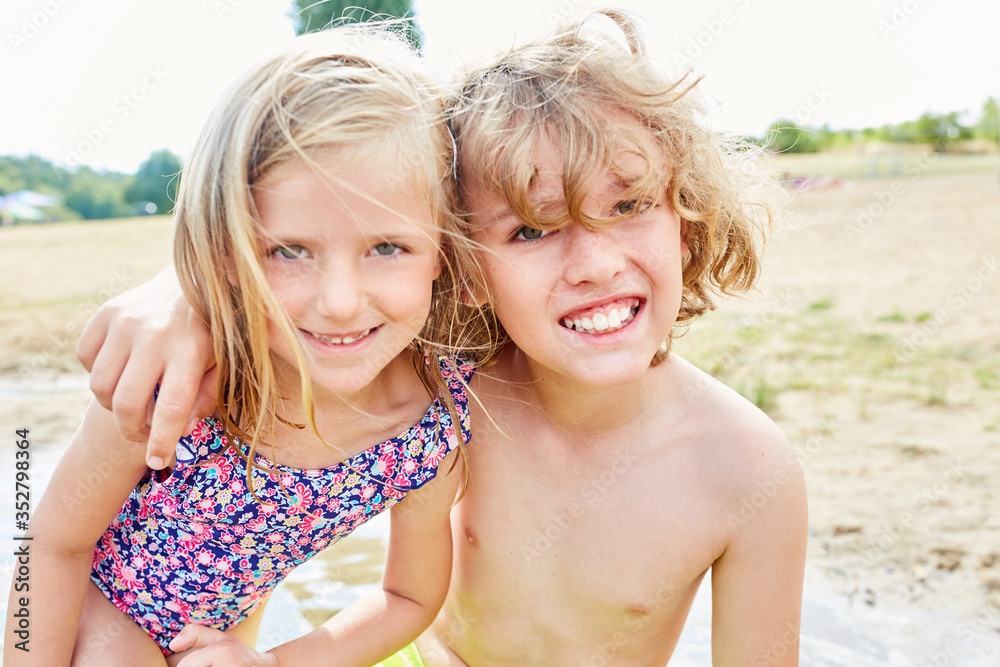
(290, 252)
(529, 233)
(386, 249)
(633, 207)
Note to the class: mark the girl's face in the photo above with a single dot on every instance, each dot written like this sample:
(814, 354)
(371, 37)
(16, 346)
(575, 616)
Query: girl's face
(351, 254)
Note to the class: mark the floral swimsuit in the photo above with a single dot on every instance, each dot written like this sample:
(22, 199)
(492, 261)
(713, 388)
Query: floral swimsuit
(195, 547)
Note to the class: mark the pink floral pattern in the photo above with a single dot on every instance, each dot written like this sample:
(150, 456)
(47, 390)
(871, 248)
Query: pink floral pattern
(196, 547)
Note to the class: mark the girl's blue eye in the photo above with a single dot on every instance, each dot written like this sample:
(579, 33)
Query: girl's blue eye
(529, 233)
(386, 249)
(289, 251)
(633, 207)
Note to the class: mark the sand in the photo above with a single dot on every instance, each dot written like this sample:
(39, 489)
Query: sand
(874, 343)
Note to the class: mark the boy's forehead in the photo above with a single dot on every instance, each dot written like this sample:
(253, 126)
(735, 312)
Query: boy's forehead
(626, 162)
(625, 153)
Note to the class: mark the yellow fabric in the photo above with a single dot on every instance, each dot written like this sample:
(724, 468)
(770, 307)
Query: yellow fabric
(408, 657)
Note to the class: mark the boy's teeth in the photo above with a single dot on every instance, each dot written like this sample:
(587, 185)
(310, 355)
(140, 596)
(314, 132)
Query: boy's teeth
(615, 318)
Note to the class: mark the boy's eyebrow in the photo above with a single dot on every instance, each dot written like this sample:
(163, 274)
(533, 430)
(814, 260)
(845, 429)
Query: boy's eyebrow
(501, 215)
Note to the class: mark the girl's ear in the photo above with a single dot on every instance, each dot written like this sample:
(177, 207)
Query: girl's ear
(684, 243)
(229, 267)
(438, 266)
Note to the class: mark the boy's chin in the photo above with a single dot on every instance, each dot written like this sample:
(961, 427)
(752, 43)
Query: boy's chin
(605, 373)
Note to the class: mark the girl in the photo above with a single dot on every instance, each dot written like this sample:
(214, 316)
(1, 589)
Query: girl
(314, 237)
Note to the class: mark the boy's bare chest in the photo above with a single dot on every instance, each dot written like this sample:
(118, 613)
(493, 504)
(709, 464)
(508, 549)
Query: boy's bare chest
(602, 544)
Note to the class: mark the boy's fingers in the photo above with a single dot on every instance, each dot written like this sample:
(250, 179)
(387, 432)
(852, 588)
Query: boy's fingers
(92, 340)
(171, 414)
(133, 394)
(106, 368)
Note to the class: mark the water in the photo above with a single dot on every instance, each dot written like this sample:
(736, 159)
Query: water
(41, 387)
(835, 633)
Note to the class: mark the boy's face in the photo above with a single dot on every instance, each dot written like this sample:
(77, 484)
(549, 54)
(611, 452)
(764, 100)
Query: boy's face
(593, 306)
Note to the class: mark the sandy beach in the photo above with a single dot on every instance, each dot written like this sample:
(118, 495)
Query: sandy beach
(873, 342)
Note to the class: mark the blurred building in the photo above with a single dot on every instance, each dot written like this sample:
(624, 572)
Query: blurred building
(25, 206)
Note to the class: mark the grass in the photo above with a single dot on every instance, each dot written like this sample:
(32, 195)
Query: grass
(762, 394)
(896, 316)
(987, 378)
(886, 162)
(820, 352)
(54, 276)
(821, 305)
(938, 390)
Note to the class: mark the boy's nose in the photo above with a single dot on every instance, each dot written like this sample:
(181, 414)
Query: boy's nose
(591, 256)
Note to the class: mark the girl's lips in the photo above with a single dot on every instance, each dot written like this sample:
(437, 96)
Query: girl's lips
(605, 318)
(341, 340)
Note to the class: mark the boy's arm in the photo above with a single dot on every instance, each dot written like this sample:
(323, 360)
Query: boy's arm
(87, 489)
(757, 582)
(417, 572)
(146, 336)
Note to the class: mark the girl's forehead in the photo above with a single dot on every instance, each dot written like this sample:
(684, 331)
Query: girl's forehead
(335, 163)
(332, 170)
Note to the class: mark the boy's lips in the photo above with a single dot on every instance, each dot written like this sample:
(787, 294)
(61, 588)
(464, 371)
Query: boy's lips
(339, 339)
(604, 318)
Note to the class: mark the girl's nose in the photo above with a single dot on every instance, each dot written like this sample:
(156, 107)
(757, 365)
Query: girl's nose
(342, 294)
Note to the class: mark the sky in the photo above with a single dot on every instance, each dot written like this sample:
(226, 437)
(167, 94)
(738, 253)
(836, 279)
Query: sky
(107, 82)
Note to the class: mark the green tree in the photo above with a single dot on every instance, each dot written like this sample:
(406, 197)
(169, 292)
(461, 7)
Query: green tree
(939, 129)
(784, 136)
(96, 196)
(988, 126)
(313, 15)
(10, 180)
(32, 172)
(156, 181)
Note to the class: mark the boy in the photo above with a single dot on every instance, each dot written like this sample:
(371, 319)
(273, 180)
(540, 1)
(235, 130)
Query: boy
(608, 475)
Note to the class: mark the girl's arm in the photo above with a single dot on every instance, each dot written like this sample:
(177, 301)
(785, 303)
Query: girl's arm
(417, 572)
(149, 335)
(87, 489)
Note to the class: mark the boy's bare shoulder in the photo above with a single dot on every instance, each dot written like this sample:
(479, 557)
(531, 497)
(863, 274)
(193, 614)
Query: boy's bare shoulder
(741, 441)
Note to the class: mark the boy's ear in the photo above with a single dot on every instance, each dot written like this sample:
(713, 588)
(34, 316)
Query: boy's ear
(471, 295)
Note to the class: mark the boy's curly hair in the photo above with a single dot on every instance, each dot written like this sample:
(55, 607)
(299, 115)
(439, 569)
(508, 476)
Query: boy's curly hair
(565, 87)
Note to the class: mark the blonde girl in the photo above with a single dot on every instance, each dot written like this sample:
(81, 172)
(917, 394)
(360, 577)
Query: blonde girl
(314, 237)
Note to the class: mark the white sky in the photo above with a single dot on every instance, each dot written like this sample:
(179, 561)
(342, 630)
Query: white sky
(118, 79)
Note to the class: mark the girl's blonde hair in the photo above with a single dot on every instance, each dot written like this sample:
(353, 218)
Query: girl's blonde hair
(565, 87)
(359, 92)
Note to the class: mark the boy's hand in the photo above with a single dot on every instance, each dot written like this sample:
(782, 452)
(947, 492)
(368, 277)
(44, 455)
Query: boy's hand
(146, 336)
(216, 648)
